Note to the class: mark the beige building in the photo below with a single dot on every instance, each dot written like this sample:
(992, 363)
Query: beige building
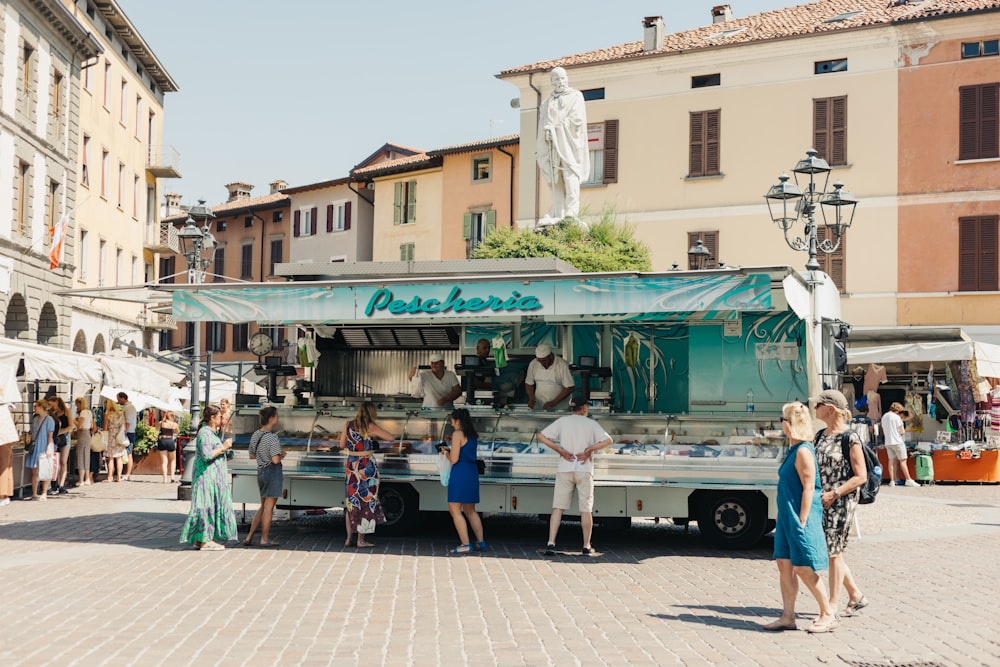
(42, 47)
(121, 159)
(697, 125)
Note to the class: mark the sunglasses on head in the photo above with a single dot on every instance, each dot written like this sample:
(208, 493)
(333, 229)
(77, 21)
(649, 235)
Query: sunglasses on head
(786, 420)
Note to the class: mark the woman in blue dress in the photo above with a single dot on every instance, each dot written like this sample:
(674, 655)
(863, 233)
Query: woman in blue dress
(43, 428)
(211, 520)
(799, 543)
(463, 485)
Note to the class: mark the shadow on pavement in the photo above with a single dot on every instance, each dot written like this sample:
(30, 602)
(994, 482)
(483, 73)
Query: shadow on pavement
(725, 617)
(148, 530)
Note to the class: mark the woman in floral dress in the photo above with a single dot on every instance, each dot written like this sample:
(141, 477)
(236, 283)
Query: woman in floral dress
(114, 424)
(211, 519)
(363, 509)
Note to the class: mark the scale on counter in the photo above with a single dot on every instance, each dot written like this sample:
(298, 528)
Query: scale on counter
(471, 369)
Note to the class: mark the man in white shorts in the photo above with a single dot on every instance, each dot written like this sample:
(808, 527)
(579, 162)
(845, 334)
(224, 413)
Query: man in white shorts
(574, 438)
(892, 427)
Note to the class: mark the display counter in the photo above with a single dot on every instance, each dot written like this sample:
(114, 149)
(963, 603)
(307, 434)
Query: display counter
(950, 466)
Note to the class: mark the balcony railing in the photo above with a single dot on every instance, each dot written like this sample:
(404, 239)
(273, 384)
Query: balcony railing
(163, 162)
(163, 240)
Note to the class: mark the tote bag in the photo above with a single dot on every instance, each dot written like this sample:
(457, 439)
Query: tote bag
(44, 468)
(99, 441)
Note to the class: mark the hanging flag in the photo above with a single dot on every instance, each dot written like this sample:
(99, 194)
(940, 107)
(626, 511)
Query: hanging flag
(58, 232)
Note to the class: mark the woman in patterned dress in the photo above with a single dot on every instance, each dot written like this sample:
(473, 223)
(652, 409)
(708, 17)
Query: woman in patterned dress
(362, 509)
(211, 517)
(840, 479)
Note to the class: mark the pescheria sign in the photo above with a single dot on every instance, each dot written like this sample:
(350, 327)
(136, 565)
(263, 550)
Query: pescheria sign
(383, 299)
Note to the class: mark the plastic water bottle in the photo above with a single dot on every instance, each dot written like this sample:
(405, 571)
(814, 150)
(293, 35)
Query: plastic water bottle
(750, 408)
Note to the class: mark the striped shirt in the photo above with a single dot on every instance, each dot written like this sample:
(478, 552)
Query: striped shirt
(264, 445)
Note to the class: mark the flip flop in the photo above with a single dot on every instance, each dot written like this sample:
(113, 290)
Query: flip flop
(777, 626)
(819, 628)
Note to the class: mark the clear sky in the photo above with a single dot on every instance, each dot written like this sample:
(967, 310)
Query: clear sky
(302, 90)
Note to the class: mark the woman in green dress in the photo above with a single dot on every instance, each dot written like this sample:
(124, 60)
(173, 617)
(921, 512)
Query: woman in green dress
(211, 519)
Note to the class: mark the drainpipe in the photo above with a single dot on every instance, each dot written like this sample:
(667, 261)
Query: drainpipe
(538, 172)
(511, 156)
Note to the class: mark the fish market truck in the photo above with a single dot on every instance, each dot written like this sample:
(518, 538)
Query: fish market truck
(686, 370)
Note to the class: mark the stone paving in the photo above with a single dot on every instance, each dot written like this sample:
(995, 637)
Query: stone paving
(98, 578)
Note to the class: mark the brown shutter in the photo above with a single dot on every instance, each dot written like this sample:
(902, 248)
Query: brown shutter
(710, 241)
(329, 217)
(988, 253)
(297, 223)
(220, 345)
(821, 126)
(347, 216)
(967, 255)
(611, 151)
(989, 120)
(838, 132)
(315, 219)
(712, 136)
(833, 264)
(696, 164)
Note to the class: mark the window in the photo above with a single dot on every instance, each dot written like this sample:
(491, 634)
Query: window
(22, 199)
(107, 84)
(215, 337)
(102, 263)
(121, 185)
(219, 265)
(168, 267)
(85, 162)
(989, 47)
(703, 159)
(166, 341)
(706, 80)
(123, 104)
(833, 264)
(338, 216)
(246, 261)
(241, 337)
(979, 120)
(135, 197)
(592, 94)
(828, 66)
(104, 174)
(481, 168)
(710, 241)
(26, 72)
(52, 205)
(830, 129)
(406, 252)
(277, 216)
(84, 254)
(602, 142)
(138, 117)
(476, 227)
(189, 333)
(404, 203)
(304, 222)
(977, 254)
(119, 266)
(248, 221)
(277, 335)
(277, 252)
(86, 77)
(57, 95)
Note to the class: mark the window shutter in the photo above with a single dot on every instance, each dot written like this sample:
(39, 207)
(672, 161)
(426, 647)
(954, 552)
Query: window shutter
(296, 223)
(411, 203)
(834, 264)
(397, 204)
(347, 215)
(821, 125)
(988, 254)
(329, 217)
(315, 220)
(838, 132)
(712, 131)
(491, 223)
(220, 344)
(967, 255)
(696, 165)
(710, 241)
(611, 151)
(989, 120)
(467, 226)
(210, 336)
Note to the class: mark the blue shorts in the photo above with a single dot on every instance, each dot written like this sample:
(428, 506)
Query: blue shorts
(131, 442)
(269, 480)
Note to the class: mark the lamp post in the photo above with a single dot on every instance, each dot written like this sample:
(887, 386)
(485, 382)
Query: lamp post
(792, 203)
(698, 256)
(197, 246)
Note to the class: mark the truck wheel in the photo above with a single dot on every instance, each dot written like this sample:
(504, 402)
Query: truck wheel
(401, 506)
(732, 520)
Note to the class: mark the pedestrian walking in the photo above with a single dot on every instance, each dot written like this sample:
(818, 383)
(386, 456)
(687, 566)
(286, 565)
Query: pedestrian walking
(211, 520)
(84, 427)
(42, 441)
(363, 511)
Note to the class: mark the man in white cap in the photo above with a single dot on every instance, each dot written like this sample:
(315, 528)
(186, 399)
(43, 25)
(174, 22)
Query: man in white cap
(548, 382)
(438, 386)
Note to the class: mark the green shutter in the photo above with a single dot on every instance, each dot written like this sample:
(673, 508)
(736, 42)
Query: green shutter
(402, 252)
(411, 203)
(491, 223)
(397, 204)
(467, 226)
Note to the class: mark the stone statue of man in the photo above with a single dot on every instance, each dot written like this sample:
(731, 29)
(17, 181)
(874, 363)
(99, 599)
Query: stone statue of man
(561, 146)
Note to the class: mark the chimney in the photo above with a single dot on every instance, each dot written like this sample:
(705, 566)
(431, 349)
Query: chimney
(238, 190)
(722, 13)
(278, 185)
(172, 202)
(652, 33)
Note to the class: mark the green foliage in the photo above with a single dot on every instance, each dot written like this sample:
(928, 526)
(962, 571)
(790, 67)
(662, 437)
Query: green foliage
(184, 423)
(145, 438)
(606, 245)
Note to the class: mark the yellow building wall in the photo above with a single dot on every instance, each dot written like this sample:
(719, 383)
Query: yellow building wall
(425, 232)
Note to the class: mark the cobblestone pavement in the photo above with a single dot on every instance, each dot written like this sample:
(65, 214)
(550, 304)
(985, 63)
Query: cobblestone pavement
(98, 578)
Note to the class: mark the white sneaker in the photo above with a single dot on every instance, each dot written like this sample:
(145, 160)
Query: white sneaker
(4, 501)
(910, 482)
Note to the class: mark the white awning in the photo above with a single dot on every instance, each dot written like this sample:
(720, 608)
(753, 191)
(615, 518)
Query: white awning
(987, 356)
(51, 364)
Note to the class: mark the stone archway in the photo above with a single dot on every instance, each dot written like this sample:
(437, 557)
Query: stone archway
(99, 344)
(16, 322)
(48, 324)
(80, 342)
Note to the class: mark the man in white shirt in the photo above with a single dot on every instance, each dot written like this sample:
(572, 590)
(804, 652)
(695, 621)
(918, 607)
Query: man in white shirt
(439, 387)
(548, 381)
(128, 410)
(574, 438)
(892, 427)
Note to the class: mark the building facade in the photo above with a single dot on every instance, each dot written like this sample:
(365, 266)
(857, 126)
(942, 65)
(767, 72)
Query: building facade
(121, 159)
(43, 47)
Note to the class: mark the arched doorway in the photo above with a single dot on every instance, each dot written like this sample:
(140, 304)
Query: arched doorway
(99, 344)
(16, 322)
(48, 324)
(80, 342)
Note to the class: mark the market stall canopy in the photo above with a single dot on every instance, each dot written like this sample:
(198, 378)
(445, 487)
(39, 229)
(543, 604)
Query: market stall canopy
(987, 356)
(140, 375)
(42, 362)
(140, 400)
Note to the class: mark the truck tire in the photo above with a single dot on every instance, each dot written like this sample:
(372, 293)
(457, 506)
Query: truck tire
(401, 506)
(732, 519)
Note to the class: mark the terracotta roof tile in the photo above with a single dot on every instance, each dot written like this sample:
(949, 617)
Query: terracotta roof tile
(506, 140)
(800, 20)
(408, 163)
(239, 204)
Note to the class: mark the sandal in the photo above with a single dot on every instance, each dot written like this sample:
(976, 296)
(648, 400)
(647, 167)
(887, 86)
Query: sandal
(481, 546)
(854, 606)
(248, 542)
(778, 626)
(270, 544)
(462, 549)
(365, 545)
(826, 626)
(212, 546)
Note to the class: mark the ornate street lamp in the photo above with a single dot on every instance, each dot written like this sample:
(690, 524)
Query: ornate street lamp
(698, 256)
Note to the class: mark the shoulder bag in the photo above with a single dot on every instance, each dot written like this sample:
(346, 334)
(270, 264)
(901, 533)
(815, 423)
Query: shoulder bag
(44, 467)
(99, 441)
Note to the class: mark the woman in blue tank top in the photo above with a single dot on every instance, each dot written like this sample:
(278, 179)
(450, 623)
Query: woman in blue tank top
(463, 485)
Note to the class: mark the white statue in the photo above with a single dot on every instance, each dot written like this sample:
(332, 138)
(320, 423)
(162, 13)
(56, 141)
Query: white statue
(562, 152)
